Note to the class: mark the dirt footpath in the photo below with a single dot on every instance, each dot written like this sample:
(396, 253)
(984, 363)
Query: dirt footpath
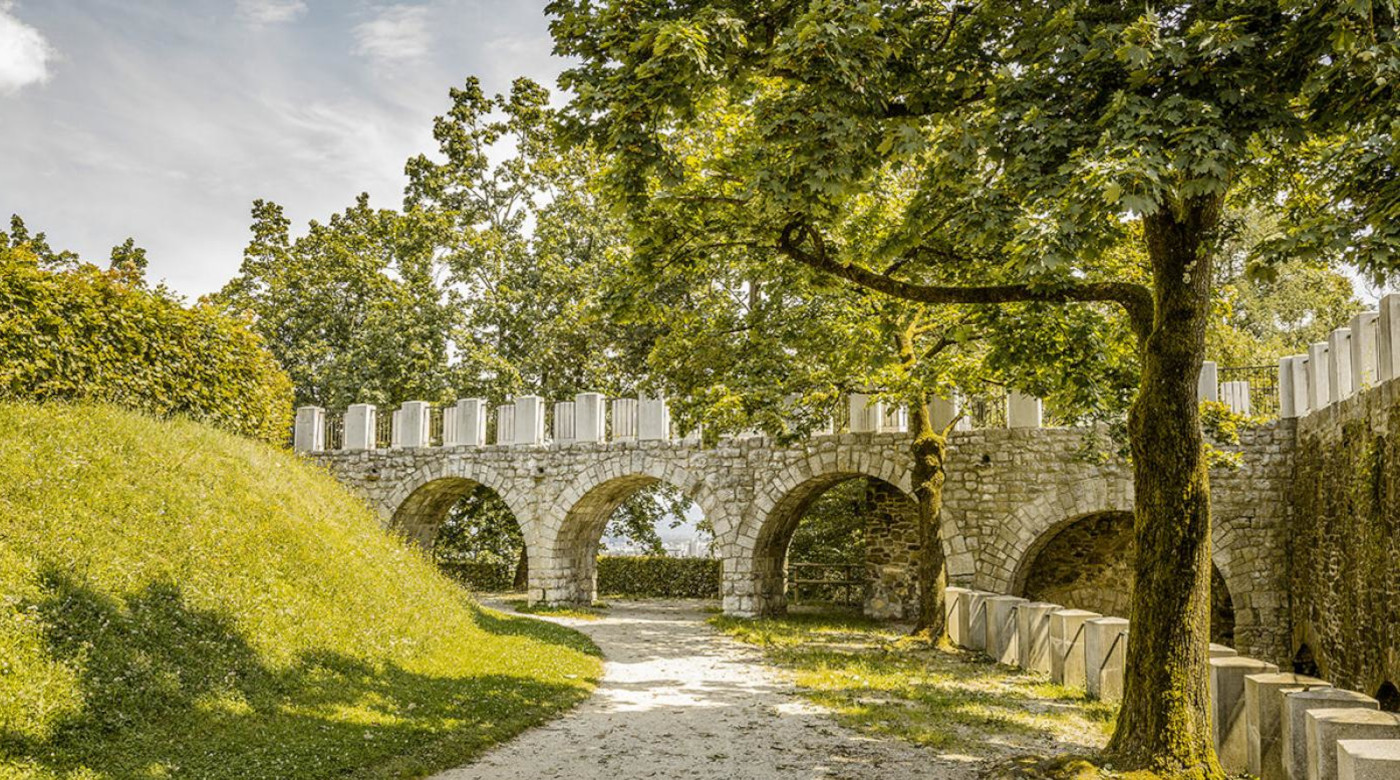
(678, 700)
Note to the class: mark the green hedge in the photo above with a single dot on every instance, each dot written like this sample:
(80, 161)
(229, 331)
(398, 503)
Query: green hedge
(482, 577)
(656, 576)
(89, 335)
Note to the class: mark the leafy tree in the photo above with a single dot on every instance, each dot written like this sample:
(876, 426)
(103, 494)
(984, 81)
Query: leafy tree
(129, 260)
(1041, 136)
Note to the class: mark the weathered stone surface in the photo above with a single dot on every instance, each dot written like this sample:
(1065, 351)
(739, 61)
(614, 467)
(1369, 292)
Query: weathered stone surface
(977, 619)
(1368, 759)
(1228, 726)
(1263, 709)
(1221, 651)
(1033, 634)
(1105, 653)
(1003, 641)
(1326, 726)
(1294, 722)
(953, 604)
(1067, 646)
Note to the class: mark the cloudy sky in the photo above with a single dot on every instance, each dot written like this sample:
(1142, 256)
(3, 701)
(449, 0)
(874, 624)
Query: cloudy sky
(164, 119)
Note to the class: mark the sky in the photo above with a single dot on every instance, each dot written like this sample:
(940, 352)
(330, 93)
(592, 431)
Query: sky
(164, 119)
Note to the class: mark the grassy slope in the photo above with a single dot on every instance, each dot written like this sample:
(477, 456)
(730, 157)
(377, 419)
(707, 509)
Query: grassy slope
(179, 602)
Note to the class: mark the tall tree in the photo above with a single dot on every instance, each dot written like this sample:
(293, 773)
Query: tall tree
(1041, 136)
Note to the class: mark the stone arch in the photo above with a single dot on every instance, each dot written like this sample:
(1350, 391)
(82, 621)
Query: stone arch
(1024, 532)
(419, 504)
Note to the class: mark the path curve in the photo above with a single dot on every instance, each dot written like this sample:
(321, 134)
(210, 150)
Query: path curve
(679, 700)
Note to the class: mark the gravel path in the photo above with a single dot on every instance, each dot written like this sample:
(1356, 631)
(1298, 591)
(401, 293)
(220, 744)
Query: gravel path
(678, 700)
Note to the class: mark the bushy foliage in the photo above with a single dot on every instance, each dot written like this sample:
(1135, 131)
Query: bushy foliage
(88, 334)
(658, 576)
(833, 528)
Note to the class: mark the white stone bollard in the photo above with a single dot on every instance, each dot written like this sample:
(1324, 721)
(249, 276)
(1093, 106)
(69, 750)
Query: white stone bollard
(1227, 721)
(411, 424)
(590, 418)
(1003, 643)
(1368, 759)
(1364, 350)
(1263, 718)
(1105, 653)
(469, 428)
(1302, 406)
(359, 427)
(1221, 651)
(1022, 411)
(1286, 409)
(1208, 382)
(1325, 727)
(624, 419)
(1067, 646)
(1339, 387)
(1033, 634)
(565, 422)
(1388, 338)
(977, 620)
(653, 420)
(953, 602)
(529, 421)
(1293, 720)
(505, 424)
(309, 430)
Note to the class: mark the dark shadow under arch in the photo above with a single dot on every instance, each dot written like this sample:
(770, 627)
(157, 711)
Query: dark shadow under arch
(422, 514)
(1304, 662)
(1389, 696)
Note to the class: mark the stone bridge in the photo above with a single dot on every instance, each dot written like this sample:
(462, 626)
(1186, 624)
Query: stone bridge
(1009, 494)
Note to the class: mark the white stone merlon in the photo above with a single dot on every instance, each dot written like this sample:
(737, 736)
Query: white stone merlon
(1319, 368)
(1295, 726)
(1227, 708)
(309, 435)
(590, 418)
(624, 419)
(860, 405)
(1286, 409)
(411, 424)
(1325, 727)
(565, 422)
(1003, 641)
(1388, 338)
(653, 420)
(1263, 717)
(1339, 386)
(529, 421)
(1022, 411)
(1368, 759)
(1105, 651)
(1302, 404)
(1208, 382)
(1364, 350)
(893, 419)
(1033, 634)
(942, 412)
(505, 424)
(359, 427)
(1067, 646)
(470, 427)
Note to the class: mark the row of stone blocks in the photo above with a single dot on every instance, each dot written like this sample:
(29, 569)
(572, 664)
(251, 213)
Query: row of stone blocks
(1269, 724)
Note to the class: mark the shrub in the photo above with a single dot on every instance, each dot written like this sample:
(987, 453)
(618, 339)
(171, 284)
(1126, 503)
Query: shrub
(88, 334)
(480, 576)
(657, 576)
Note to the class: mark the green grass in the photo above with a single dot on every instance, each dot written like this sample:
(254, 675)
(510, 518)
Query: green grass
(593, 612)
(179, 602)
(880, 681)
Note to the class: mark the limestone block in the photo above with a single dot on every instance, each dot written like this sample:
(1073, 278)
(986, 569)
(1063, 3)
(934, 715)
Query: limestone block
(1067, 646)
(529, 420)
(1227, 706)
(1326, 726)
(953, 604)
(1022, 411)
(359, 427)
(942, 411)
(1236, 396)
(1208, 383)
(1339, 386)
(1286, 409)
(1368, 759)
(1293, 719)
(1388, 338)
(624, 419)
(471, 414)
(1221, 651)
(1105, 652)
(590, 418)
(977, 620)
(1003, 643)
(653, 420)
(309, 430)
(505, 424)
(1319, 366)
(862, 421)
(1364, 350)
(1033, 634)
(411, 424)
(1263, 712)
(1302, 403)
(565, 422)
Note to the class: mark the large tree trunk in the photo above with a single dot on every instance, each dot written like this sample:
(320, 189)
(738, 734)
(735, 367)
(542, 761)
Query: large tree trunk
(930, 450)
(1164, 723)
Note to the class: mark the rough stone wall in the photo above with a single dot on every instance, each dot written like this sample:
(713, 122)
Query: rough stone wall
(1345, 541)
(891, 553)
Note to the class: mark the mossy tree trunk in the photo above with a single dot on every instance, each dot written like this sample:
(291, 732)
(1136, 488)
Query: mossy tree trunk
(1164, 722)
(929, 450)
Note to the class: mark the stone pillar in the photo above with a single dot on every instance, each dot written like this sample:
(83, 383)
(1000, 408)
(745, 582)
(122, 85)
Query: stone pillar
(1302, 405)
(505, 424)
(1364, 332)
(529, 421)
(411, 424)
(1067, 646)
(470, 427)
(864, 413)
(564, 422)
(653, 420)
(891, 553)
(1105, 652)
(1293, 720)
(1263, 710)
(1022, 411)
(1339, 387)
(1208, 382)
(359, 427)
(1003, 642)
(1388, 338)
(309, 430)
(1368, 759)
(1286, 409)
(1319, 365)
(1228, 726)
(1325, 727)
(1033, 634)
(590, 418)
(954, 599)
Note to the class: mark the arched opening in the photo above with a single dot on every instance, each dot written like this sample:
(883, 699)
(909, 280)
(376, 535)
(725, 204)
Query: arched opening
(1304, 662)
(1389, 696)
(845, 538)
(471, 532)
(1087, 563)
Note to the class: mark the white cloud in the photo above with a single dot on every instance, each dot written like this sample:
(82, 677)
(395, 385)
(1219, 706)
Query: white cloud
(24, 53)
(397, 33)
(260, 12)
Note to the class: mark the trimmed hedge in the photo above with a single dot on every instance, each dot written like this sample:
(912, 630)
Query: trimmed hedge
(658, 576)
(481, 577)
(89, 335)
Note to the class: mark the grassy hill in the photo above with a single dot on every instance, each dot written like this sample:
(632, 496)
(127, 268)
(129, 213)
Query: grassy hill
(179, 602)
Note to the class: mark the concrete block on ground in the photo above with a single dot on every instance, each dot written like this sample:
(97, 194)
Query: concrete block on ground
(590, 418)
(1263, 717)
(1105, 652)
(977, 620)
(1033, 634)
(1067, 646)
(1003, 642)
(1293, 719)
(360, 422)
(1368, 759)
(1326, 726)
(953, 597)
(1222, 651)
(1364, 350)
(1227, 705)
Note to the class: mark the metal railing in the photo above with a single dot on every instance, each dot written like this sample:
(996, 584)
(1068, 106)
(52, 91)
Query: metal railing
(383, 429)
(828, 583)
(435, 426)
(335, 430)
(986, 409)
(1263, 386)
